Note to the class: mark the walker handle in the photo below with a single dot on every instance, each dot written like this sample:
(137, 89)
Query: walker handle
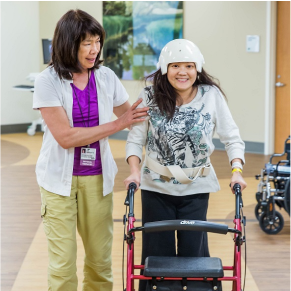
(238, 200)
(237, 188)
(129, 200)
(131, 185)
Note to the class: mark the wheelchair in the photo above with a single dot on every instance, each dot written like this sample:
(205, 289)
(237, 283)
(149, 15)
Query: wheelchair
(274, 189)
(185, 273)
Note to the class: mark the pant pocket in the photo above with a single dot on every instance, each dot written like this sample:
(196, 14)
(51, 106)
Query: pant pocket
(45, 219)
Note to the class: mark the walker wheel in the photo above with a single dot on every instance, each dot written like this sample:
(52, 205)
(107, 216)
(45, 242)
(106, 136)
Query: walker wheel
(271, 224)
(258, 210)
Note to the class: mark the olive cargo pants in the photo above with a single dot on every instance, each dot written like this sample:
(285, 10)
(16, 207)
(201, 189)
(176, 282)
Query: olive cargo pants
(91, 213)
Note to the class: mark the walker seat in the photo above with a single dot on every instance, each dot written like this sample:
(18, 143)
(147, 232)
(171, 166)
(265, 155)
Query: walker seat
(185, 267)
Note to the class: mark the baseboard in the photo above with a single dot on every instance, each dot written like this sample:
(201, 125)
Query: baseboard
(121, 135)
(251, 147)
(17, 128)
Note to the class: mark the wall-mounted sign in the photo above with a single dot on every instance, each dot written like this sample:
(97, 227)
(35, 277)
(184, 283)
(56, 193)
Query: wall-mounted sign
(253, 43)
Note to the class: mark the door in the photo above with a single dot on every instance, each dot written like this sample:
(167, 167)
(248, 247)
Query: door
(282, 103)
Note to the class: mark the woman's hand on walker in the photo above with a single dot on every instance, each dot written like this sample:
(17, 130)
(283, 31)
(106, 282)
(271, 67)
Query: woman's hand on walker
(132, 115)
(237, 178)
(134, 177)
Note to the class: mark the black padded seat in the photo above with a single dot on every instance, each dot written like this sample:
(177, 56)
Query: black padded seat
(185, 267)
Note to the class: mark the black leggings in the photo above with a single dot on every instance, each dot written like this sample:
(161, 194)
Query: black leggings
(155, 207)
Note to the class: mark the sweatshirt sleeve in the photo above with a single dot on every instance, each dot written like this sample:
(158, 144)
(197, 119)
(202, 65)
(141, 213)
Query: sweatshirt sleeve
(227, 130)
(138, 134)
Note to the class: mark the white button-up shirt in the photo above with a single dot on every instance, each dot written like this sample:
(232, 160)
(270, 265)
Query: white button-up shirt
(54, 168)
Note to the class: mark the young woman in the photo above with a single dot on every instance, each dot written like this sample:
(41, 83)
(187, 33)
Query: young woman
(75, 169)
(186, 107)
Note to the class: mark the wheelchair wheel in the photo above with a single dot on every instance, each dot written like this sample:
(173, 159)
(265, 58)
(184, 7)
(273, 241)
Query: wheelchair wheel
(271, 224)
(287, 197)
(259, 197)
(258, 210)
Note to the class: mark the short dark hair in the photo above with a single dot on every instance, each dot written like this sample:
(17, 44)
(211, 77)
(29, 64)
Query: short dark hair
(165, 95)
(71, 30)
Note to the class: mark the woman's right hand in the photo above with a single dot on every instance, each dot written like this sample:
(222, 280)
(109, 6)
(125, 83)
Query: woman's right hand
(128, 116)
(134, 177)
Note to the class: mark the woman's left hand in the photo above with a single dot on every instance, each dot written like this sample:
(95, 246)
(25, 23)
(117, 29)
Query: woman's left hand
(237, 178)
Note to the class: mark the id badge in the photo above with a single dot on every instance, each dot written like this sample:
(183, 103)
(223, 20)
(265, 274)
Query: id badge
(88, 157)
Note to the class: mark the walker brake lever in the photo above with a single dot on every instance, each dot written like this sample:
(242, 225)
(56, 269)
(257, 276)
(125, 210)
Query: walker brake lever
(126, 202)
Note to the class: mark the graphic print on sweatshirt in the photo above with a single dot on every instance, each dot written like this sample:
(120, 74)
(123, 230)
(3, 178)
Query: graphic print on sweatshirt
(178, 141)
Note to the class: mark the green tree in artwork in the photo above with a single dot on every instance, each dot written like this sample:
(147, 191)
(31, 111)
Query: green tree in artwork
(114, 8)
(117, 22)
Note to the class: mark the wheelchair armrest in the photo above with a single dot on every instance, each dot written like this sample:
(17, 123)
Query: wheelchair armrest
(276, 155)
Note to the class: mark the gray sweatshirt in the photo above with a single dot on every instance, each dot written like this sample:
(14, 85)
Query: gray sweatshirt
(185, 140)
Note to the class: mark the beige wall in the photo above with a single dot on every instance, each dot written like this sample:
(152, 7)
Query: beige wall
(218, 28)
(51, 11)
(19, 56)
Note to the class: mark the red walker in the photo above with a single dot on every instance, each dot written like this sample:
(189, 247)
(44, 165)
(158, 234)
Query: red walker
(179, 273)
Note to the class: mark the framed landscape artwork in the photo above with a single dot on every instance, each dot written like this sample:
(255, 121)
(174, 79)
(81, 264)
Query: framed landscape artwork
(136, 32)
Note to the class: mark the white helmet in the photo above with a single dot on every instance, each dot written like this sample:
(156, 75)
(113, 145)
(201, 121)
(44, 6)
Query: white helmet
(180, 50)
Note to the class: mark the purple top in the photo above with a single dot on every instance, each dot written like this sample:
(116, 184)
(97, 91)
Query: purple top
(80, 170)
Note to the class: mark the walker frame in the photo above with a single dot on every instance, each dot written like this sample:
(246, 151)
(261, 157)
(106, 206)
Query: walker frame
(238, 238)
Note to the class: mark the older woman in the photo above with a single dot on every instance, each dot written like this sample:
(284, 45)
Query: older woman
(75, 169)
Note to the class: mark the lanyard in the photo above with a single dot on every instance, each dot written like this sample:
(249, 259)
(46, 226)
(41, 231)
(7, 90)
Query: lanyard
(88, 104)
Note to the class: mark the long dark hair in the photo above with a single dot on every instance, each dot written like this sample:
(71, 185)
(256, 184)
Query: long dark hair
(165, 95)
(71, 30)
